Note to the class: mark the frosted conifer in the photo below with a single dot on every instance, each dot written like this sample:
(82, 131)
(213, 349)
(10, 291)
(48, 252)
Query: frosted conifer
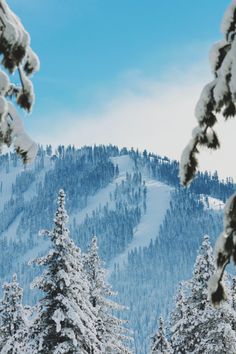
(65, 320)
(203, 328)
(178, 318)
(160, 344)
(110, 329)
(13, 324)
(218, 96)
(17, 55)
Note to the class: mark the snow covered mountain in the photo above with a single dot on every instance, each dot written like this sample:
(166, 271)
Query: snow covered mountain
(148, 227)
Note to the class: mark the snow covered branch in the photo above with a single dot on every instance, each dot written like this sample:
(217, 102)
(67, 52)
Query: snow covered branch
(16, 55)
(217, 97)
(225, 251)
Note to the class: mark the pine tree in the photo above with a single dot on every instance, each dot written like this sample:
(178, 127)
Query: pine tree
(109, 328)
(13, 323)
(217, 97)
(16, 55)
(204, 329)
(178, 319)
(160, 344)
(233, 302)
(66, 320)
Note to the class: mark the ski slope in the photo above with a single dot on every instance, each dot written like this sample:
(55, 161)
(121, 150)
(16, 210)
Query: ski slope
(100, 199)
(158, 201)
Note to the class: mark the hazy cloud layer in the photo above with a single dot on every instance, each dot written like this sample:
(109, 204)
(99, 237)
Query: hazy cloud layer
(147, 114)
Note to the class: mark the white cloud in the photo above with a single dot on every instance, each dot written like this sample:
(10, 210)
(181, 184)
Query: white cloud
(148, 114)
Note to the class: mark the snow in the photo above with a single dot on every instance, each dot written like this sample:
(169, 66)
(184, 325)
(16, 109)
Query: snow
(232, 83)
(125, 164)
(212, 203)
(201, 107)
(228, 17)
(215, 53)
(58, 317)
(4, 83)
(185, 160)
(27, 88)
(22, 141)
(32, 191)
(3, 105)
(32, 63)
(229, 213)
(10, 33)
(11, 232)
(221, 86)
(158, 200)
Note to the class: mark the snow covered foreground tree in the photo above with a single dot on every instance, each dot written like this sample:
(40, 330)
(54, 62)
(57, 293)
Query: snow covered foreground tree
(13, 323)
(17, 55)
(160, 344)
(219, 96)
(65, 320)
(110, 329)
(72, 317)
(197, 327)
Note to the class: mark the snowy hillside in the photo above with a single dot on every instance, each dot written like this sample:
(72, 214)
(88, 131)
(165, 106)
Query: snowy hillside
(158, 200)
(148, 228)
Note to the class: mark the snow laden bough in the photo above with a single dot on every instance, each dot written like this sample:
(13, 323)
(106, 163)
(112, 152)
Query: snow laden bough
(218, 98)
(16, 56)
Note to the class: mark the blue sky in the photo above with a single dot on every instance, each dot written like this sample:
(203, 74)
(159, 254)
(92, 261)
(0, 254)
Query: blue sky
(102, 58)
(85, 45)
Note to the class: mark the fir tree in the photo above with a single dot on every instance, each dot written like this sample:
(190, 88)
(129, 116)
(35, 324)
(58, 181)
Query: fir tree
(109, 328)
(66, 320)
(233, 301)
(16, 55)
(178, 319)
(13, 324)
(160, 344)
(204, 329)
(217, 97)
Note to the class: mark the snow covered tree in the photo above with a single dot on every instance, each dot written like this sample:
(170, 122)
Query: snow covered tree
(233, 301)
(13, 324)
(219, 96)
(110, 329)
(178, 319)
(17, 55)
(203, 328)
(65, 320)
(160, 344)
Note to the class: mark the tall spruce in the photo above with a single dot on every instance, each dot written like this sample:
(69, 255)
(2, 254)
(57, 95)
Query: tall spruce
(110, 329)
(13, 323)
(203, 328)
(17, 55)
(160, 344)
(65, 320)
(178, 319)
(218, 97)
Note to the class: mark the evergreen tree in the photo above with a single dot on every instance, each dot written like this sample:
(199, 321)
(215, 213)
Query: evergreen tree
(217, 97)
(66, 320)
(160, 344)
(233, 299)
(109, 328)
(13, 324)
(204, 329)
(16, 55)
(178, 319)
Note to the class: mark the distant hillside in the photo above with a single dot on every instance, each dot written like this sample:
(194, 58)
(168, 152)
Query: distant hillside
(148, 227)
